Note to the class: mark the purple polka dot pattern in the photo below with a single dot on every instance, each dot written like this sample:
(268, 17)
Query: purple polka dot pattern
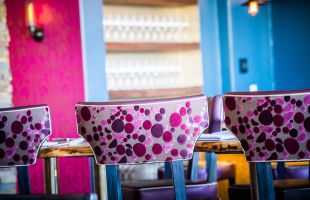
(270, 126)
(143, 131)
(21, 138)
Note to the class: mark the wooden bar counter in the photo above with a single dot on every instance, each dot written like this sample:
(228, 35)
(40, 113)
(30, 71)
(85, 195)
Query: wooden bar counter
(51, 153)
(85, 150)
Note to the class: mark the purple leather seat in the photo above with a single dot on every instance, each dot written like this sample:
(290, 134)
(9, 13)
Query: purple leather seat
(163, 190)
(294, 172)
(288, 189)
(297, 172)
(49, 197)
(224, 171)
(295, 186)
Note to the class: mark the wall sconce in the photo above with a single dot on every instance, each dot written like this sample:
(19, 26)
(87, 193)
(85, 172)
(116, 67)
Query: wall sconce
(36, 32)
(253, 6)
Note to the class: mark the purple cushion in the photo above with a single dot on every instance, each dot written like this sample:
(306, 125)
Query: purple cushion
(224, 171)
(284, 189)
(301, 172)
(163, 190)
(294, 172)
(91, 196)
(202, 174)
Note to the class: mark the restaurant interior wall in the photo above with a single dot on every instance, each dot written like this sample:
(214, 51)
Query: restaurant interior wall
(275, 44)
(230, 35)
(251, 40)
(291, 31)
(210, 47)
(165, 54)
(93, 50)
(50, 72)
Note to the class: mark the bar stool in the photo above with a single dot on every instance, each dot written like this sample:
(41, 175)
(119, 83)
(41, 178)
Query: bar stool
(271, 126)
(137, 132)
(22, 132)
(218, 170)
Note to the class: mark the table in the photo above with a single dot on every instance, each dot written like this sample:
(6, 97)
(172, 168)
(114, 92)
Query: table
(50, 155)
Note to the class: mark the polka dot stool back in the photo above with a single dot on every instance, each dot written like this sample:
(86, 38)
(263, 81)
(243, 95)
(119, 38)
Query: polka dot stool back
(143, 131)
(22, 132)
(271, 126)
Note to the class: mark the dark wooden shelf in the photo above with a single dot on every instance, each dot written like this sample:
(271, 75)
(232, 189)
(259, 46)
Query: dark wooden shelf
(142, 47)
(151, 2)
(154, 93)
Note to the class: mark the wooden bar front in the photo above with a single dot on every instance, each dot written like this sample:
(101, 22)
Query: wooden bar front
(85, 150)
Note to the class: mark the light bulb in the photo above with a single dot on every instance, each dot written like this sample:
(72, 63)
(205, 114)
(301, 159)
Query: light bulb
(253, 8)
(36, 32)
(30, 14)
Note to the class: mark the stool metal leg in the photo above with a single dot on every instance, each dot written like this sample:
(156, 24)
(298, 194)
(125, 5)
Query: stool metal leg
(193, 167)
(92, 173)
(113, 182)
(281, 170)
(211, 159)
(179, 180)
(309, 170)
(262, 187)
(167, 171)
(231, 181)
(51, 175)
(100, 181)
(23, 180)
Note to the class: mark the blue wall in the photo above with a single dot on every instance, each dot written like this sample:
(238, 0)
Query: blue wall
(93, 50)
(228, 34)
(224, 37)
(210, 47)
(291, 33)
(250, 37)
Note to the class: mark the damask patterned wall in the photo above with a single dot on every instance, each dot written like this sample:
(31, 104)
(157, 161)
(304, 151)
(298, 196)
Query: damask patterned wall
(50, 72)
(5, 75)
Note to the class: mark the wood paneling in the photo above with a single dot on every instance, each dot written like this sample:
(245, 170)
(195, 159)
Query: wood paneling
(154, 93)
(85, 150)
(151, 2)
(142, 47)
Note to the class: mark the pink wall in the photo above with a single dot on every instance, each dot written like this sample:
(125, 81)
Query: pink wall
(50, 72)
